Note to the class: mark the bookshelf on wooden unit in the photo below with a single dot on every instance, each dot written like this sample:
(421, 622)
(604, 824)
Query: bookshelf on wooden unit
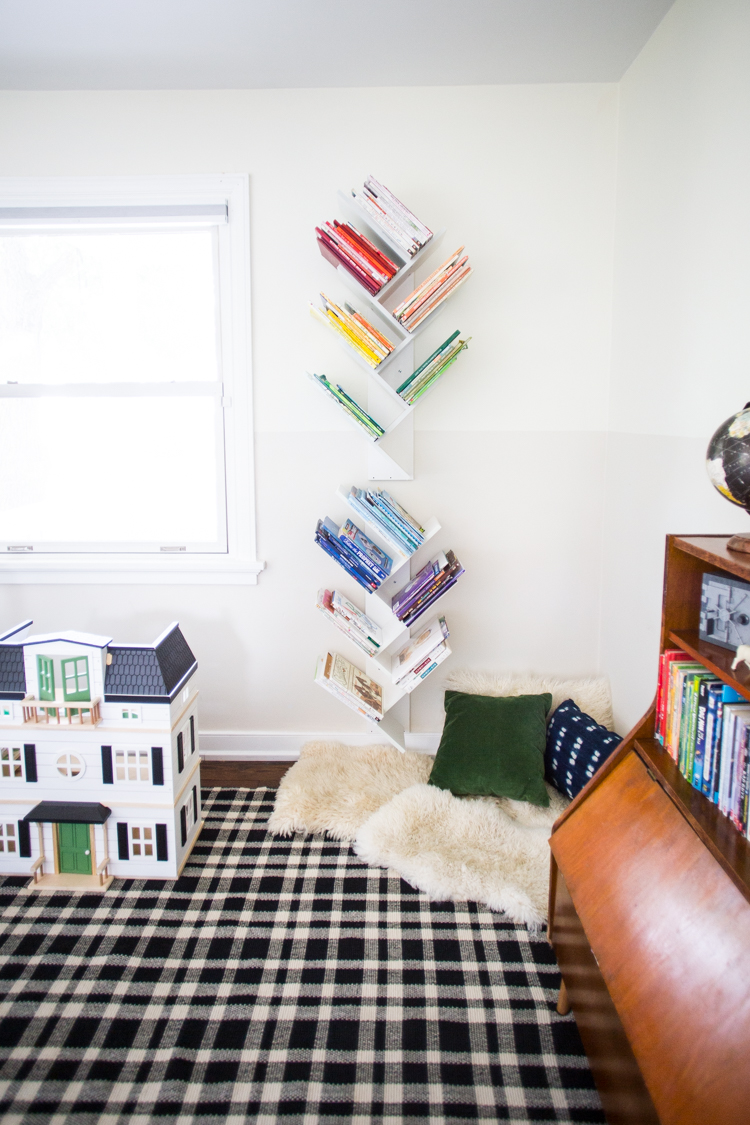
(650, 904)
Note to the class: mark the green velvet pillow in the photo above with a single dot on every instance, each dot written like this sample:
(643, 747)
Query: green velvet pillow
(493, 746)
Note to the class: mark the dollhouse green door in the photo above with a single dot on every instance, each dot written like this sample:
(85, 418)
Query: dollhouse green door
(46, 673)
(74, 849)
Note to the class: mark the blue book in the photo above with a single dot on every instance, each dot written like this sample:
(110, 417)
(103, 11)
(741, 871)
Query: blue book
(345, 547)
(701, 732)
(365, 549)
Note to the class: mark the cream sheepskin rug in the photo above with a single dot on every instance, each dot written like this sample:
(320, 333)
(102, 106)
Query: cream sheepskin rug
(458, 849)
(483, 849)
(335, 788)
(490, 850)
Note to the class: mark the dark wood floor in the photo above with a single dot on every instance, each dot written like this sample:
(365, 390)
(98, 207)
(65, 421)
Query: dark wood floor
(242, 775)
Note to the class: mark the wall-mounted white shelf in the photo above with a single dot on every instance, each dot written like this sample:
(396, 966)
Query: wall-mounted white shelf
(390, 456)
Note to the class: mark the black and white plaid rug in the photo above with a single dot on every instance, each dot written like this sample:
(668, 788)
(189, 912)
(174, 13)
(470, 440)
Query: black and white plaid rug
(277, 980)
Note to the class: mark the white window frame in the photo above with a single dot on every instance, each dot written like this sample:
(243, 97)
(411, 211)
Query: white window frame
(142, 762)
(140, 826)
(9, 763)
(239, 565)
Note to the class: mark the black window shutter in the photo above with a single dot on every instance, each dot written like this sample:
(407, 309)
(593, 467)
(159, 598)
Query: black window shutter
(29, 754)
(161, 842)
(195, 803)
(157, 765)
(180, 754)
(192, 734)
(183, 826)
(123, 850)
(24, 839)
(107, 776)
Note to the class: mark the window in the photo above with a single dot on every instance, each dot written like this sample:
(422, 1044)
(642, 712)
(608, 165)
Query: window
(76, 678)
(142, 841)
(71, 765)
(11, 762)
(131, 714)
(132, 765)
(8, 840)
(46, 675)
(125, 428)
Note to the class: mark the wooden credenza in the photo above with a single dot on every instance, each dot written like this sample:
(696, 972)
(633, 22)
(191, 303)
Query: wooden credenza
(650, 906)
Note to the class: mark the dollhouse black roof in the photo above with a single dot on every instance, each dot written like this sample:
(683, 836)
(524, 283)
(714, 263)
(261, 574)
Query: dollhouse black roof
(149, 673)
(12, 674)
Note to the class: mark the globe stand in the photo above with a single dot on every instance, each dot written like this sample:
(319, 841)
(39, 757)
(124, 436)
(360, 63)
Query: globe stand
(739, 543)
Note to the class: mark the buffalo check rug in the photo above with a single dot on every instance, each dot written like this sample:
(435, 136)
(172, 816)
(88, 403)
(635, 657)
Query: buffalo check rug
(277, 981)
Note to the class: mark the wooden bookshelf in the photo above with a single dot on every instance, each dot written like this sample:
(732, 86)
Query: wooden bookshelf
(650, 904)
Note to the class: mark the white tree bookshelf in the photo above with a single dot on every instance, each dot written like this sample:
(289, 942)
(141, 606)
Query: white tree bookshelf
(390, 456)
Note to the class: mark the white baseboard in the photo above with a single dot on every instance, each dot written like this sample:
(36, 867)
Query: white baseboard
(284, 746)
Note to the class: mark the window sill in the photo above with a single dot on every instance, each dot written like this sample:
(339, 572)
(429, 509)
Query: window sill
(130, 570)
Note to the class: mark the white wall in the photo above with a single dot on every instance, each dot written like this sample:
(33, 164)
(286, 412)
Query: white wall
(681, 334)
(509, 451)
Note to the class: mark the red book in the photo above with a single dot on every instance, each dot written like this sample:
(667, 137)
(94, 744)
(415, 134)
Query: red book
(368, 248)
(666, 658)
(337, 258)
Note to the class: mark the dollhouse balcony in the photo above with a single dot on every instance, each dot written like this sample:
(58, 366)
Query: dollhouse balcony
(54, 713)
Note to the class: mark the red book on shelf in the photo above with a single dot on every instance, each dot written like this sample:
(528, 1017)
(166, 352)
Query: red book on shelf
(337, 258)
(665, 660)
(380, 260)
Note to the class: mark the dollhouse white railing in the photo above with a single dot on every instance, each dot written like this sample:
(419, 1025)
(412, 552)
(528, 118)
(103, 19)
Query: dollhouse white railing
(60, 714)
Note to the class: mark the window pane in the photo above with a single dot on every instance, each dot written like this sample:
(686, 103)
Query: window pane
(145, 471)
(108, 308)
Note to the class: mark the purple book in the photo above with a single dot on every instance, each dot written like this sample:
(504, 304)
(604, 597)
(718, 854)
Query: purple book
(416, 586)
(417, 611)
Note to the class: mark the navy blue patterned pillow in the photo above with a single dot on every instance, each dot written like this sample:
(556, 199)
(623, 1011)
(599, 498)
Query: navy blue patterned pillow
(576, 747)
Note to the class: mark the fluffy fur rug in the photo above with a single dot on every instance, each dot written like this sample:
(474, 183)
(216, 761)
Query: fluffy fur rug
(490, 850)
(485, 850)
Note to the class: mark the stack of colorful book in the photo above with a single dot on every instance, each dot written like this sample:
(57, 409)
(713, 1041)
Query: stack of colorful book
(343, 245)
(357, 626)
(372, 345)
(350, 685)
(372, 428)
(391, 520)
(387, 212)
(430, 584)
(705, 726)
(432, 292)
(431, 370)
(421, 655)
(353, 551)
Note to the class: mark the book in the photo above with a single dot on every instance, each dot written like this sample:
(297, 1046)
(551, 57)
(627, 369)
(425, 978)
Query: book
(327, 536)
(665, 660)
(396, 221)
(357, 332)
(373, 429)
(418, 648)
(453, 272)
(351, 621)
(391, 521)
(343, 245)
(430, 584)
(366, 551)
(433, 367)
(428, 665)
(350, 684)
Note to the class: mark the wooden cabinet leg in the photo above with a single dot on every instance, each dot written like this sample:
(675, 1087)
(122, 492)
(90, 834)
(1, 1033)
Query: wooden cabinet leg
(563, 1003)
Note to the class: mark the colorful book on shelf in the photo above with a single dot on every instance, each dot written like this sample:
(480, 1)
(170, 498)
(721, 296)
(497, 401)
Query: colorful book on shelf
(367, 551)
(432, 368)
(372, 428)
(350, 620)
(431, 583)
(349, 684)
(351, 327)
(418, 649)
(343, 245)
(388, 213)
(665, 660)
(392, 522)
(439, 285)
(355, 558)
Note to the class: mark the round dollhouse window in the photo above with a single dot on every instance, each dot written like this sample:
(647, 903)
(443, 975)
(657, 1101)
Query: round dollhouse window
(70, 765)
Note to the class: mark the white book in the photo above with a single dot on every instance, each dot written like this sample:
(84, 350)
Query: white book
(437, 656)
(418, 647)
(351, 685)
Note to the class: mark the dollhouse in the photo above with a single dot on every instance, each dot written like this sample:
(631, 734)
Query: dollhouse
(99, 763)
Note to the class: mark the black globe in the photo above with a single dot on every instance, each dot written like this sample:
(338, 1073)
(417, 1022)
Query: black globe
(728, 458)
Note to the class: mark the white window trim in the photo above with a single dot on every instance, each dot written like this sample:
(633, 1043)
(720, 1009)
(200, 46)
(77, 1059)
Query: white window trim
(240, 565)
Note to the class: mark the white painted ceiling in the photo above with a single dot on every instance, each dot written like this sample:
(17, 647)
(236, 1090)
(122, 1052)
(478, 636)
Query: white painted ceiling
(223, 44)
